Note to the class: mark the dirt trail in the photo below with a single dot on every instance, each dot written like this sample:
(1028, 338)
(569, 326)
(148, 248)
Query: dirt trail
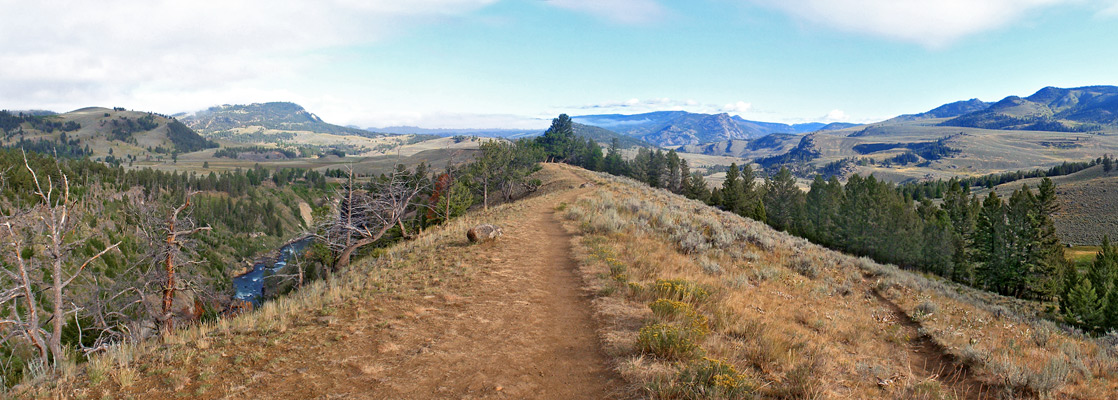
(927, 359)
(522, 329)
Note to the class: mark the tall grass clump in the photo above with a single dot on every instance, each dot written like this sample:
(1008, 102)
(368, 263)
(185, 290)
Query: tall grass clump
(679, 289)
(669, 342)
(705, 378)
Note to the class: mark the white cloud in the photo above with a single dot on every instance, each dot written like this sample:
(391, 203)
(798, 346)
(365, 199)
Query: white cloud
(932, 23)
(739, 107)
(1111, 11)
(835, 116)
(63, 54)
(624, 11)
(638, 106)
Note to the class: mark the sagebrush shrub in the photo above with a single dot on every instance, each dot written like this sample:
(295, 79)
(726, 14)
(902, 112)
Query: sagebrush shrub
(669, 342)
(679, 289)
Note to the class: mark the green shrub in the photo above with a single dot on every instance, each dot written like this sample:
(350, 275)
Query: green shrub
(669, 342)
(705, 378)
(679, 289)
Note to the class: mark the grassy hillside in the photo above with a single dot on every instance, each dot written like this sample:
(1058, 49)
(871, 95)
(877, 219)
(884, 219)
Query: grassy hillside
(104, 133)
(874, 149)
(788, 319)
(690, 302)
(1087, 200)
(278, 116)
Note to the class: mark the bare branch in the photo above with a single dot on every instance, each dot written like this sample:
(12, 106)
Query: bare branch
(90, 260)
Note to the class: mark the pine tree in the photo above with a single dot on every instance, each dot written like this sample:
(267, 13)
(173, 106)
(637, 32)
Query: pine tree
(752, 196)
(614, 163)
(732, 196)
(559, 140)
(697, 188)
(822, 211)
(989, 243)
(1048, 254)
(960, 210)
(783, 201)
(1105, 268)
(674, 179)
(1084, 307)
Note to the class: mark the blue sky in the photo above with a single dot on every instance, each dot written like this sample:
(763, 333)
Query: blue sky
(516, 64)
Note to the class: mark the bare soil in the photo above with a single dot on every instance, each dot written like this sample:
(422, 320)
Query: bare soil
(928, 360)
(522, 328)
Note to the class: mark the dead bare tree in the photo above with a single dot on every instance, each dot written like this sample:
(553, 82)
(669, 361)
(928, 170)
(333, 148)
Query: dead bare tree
(174, 248)
(53, 220)
(365, 216)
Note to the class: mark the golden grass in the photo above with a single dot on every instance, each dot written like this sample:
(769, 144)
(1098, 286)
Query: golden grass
(802, 321)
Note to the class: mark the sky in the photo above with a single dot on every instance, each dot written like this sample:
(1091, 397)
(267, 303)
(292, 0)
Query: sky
(518, 63)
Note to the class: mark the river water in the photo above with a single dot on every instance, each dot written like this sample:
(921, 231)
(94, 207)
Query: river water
(250, 286)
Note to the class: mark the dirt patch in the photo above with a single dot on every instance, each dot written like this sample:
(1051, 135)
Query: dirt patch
(305, 212)
(929, 360)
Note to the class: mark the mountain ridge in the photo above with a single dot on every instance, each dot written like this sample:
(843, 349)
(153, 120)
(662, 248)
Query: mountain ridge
(280, 116)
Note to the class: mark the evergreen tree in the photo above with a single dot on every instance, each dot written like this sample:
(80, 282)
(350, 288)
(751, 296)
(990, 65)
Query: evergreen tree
(821, 211)
(1084, 307)
(591, 157)
(783, 201)
(989, 242)
(732, 194)
(1048, 254)
(672, 166)
(614, 163)
(685, 178)
(697, 188)
(961, 211)
(558, 141)
(1105, 268)
(938, 247)
(752, 196)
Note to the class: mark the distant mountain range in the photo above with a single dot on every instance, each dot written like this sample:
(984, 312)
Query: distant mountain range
(277, 116)
(601, 135)
(680, 128)
(1083, 109)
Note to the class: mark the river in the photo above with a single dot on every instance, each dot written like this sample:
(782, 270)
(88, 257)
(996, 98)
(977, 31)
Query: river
(250, 286)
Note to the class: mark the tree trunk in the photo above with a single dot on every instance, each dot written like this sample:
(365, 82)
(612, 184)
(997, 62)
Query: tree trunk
(343, 259)
(485, 195)
(56, 319)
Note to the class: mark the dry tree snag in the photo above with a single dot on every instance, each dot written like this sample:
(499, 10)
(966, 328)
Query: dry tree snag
(364, 217)
(52, 221)
(174, 247)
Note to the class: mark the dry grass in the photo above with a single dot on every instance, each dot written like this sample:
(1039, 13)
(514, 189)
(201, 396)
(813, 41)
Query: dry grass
(799, 321)
(224, 357)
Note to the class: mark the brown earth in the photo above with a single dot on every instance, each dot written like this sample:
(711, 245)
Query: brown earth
(524, 331)
(504, 319)
(928, 360)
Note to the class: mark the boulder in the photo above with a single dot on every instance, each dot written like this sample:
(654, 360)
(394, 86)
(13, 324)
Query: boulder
(483, 232)
(586, 185)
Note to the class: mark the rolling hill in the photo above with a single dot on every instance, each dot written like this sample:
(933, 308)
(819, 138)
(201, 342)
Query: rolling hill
(275, 116)
(110, 134)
